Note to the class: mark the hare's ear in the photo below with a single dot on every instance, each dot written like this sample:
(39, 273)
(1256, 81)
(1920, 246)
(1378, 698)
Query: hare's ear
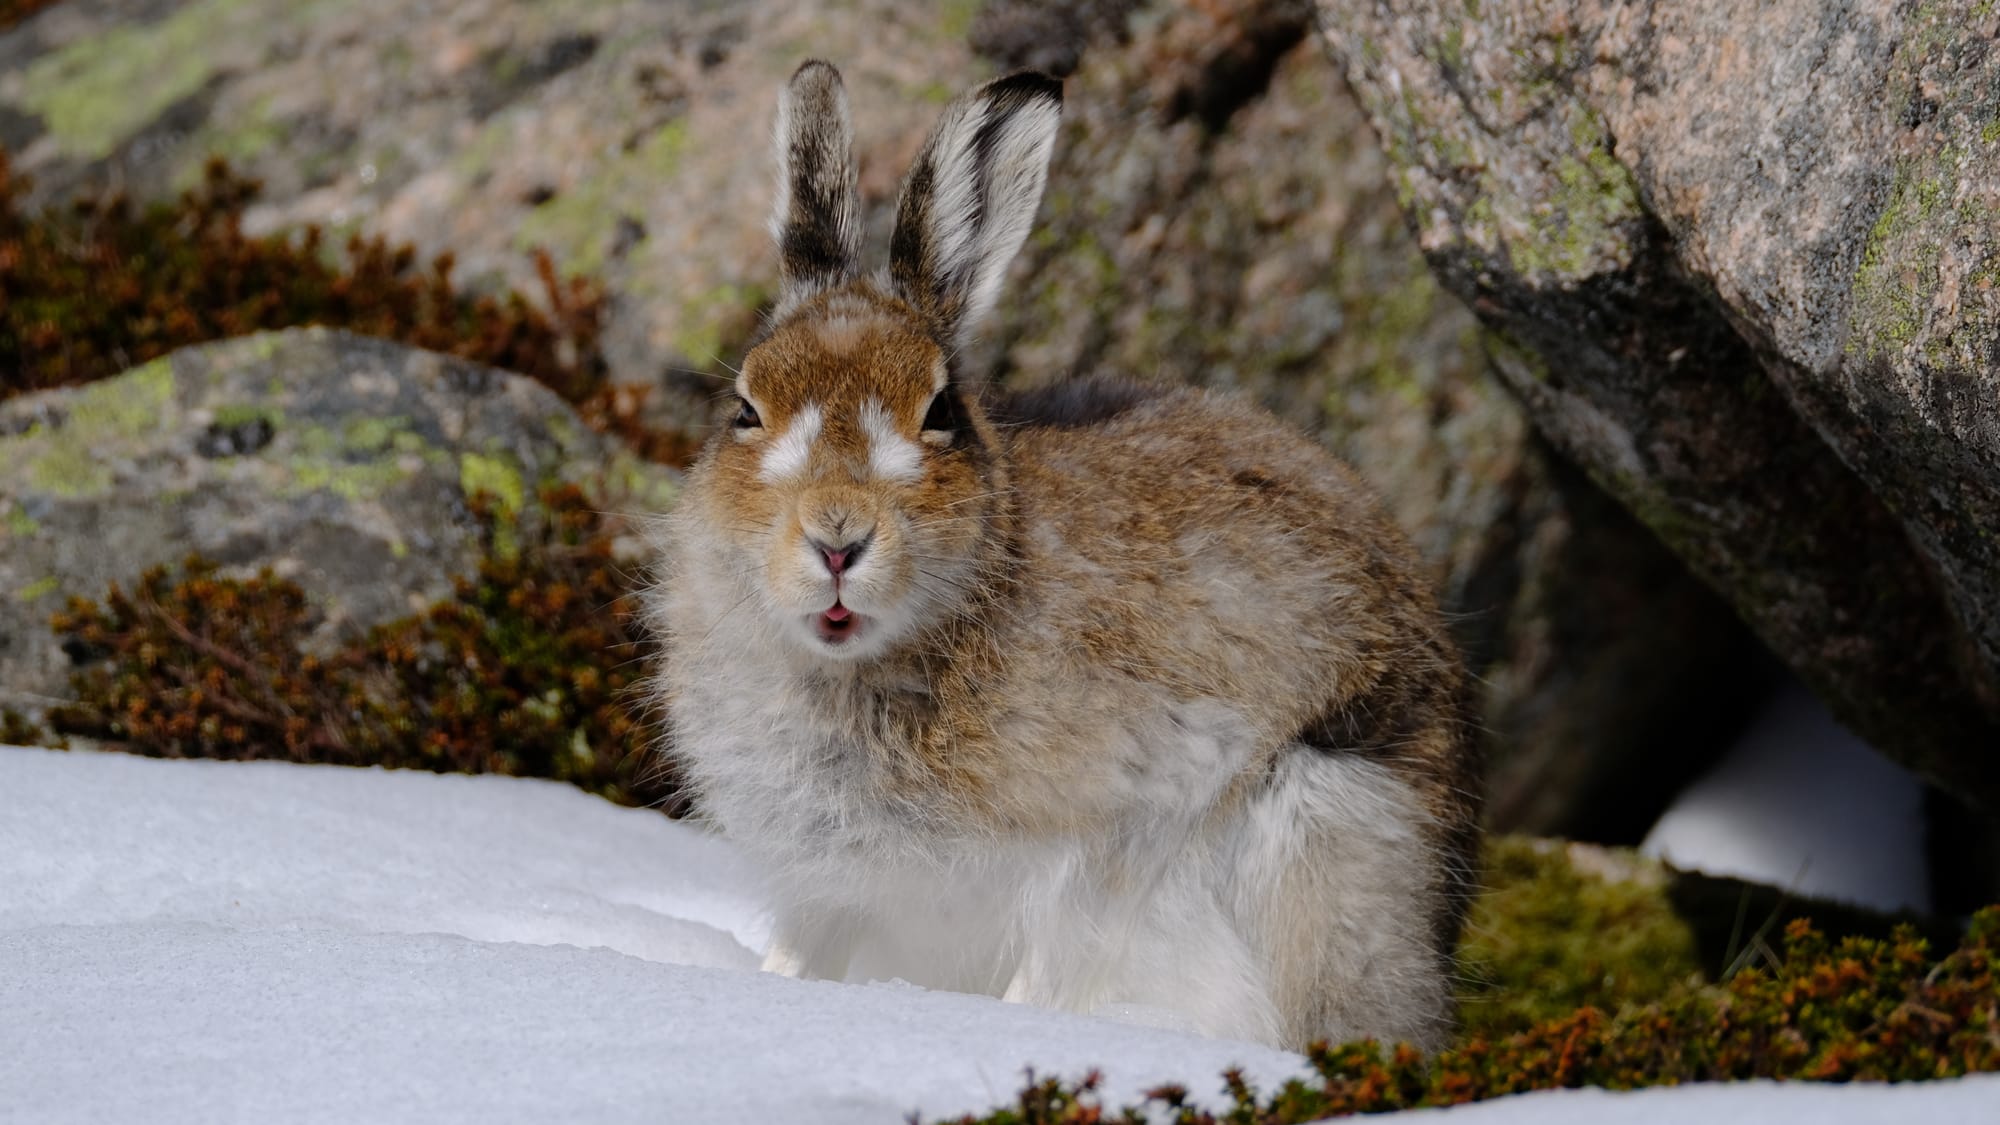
(817, 221)
(970, 198)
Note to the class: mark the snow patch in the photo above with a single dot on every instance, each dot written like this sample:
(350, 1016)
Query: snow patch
(194, 942)
(1802, 804)
(201, 941)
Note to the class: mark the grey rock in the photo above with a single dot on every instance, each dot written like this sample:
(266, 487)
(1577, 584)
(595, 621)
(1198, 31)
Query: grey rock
(341, 462)
(1744, 257)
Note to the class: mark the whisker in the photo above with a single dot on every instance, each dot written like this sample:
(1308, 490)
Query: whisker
(698, 371)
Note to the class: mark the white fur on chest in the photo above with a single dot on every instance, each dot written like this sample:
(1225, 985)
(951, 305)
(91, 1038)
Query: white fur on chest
(869, 883)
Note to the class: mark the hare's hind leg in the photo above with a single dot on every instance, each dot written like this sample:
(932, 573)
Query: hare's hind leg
(1336, 887)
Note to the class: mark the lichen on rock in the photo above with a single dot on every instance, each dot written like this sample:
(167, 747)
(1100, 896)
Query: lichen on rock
(342, 462)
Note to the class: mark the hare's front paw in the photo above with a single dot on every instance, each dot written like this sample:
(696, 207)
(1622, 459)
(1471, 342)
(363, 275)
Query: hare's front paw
(820, 953)
(784, 960)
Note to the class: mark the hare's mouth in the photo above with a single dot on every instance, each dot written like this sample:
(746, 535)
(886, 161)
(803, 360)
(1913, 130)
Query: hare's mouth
(836, 624)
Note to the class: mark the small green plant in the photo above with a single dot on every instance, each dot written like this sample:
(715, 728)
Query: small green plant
(531, 669)
(1858, 1009)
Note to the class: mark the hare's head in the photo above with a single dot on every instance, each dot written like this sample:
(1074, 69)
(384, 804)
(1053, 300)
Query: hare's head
(857, 479)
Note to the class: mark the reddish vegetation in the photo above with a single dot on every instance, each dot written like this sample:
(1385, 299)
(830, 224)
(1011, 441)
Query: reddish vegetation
(94, 289)
(1859, 1009)
(14, 11)
(531, 669)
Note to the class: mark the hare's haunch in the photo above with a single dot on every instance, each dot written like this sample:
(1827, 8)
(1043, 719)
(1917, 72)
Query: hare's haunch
(1105, 694)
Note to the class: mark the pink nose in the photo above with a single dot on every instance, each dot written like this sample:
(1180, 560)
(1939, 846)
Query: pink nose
(839, 559)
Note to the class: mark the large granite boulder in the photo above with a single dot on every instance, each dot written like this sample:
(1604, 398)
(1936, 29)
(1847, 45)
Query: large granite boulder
(1219, 214)
(1745, 261)
(341, 462)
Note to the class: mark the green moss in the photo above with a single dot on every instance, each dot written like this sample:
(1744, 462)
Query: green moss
(19, 524)
(476, 157)
(125, 407)
(1551, 935)
(954, 17)
(1381, 329)
(238, 138)
(1580, 225)
(1898, 269)
(1894, 312)
(353, 483)
(372, 435)
(1889, 307)
(580, 223)
(715, 323)
(359, 462)
(68, 459)
(1514, 357)
(66, 469)
(39, 589)
(1576, 230)
(479, 475)
(494, 478)
(1482, 221)
(1454, 151)
(96, 92)
(1451, 52)
(237, 415)
(630, 482)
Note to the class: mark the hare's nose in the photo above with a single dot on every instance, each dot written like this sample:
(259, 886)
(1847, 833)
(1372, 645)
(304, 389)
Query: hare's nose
(840, 559)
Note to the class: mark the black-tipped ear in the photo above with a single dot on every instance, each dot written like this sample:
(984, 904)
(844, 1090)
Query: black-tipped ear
(817, 221)
(970, 198)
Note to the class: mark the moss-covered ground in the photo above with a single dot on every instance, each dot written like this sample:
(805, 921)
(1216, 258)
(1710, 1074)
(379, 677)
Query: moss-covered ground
(1550, 936)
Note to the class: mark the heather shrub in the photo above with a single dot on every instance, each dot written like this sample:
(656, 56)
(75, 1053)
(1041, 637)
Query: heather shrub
(531, 669)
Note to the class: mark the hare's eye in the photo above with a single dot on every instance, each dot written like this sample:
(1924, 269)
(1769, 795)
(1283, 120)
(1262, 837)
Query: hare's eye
(944, 414)
(746, 416)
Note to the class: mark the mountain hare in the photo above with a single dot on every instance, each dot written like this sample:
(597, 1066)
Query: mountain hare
(1101, 695)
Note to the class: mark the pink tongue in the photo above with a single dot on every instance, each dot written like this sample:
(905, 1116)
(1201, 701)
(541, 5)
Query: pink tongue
(837, 613)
